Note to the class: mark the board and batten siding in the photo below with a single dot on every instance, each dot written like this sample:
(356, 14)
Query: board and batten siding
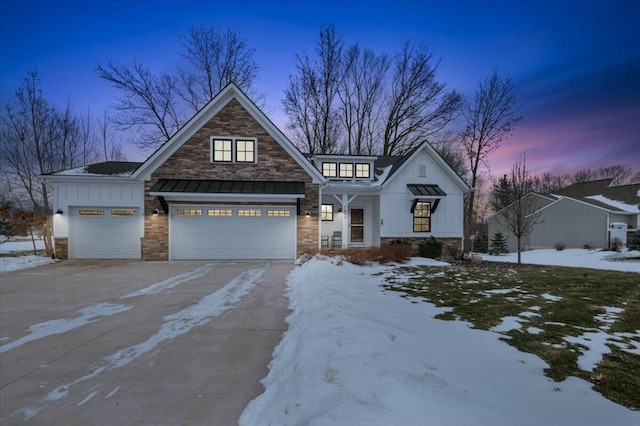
(95, 194)
(395, 202)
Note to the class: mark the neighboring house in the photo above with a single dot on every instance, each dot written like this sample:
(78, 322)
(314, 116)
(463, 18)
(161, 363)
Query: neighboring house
(230, 185)
(588, 214)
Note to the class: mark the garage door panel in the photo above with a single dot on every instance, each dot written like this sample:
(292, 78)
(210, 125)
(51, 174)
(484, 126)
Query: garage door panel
(103, 236)
(232, 237)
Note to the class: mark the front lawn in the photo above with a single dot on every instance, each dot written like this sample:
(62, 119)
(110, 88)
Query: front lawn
(582, 322)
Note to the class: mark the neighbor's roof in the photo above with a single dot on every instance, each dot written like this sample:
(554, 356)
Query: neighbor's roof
(584, 189)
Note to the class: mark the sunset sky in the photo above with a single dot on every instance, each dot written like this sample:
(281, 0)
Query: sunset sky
(576, 63)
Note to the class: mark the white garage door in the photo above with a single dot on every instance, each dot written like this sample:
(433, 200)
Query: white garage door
(104, 233)
(232, 232)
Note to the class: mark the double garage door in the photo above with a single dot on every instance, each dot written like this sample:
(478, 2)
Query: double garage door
(232, 232)
(104, 233)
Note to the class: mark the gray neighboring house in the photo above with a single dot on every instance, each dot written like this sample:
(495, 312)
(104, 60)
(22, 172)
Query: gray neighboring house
(583, 214)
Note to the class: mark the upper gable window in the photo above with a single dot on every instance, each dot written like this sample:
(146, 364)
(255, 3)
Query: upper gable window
(233, 150)
(346, 170)
(329, 169)
(362, 170)
(245, 151)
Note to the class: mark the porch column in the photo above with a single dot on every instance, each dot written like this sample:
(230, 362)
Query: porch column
(345, 221)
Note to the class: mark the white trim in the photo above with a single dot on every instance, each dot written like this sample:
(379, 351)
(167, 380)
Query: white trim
(190, 196)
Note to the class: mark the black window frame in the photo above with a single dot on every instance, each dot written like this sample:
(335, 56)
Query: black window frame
(422, 215)
(323, 213)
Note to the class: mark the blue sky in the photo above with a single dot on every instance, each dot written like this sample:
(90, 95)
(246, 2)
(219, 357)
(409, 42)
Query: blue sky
(576, 63)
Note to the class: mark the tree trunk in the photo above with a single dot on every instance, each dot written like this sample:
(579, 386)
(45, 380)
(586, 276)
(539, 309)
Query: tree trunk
(519, 250)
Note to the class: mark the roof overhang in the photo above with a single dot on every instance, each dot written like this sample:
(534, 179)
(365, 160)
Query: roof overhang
(426, 190)
(227, 190)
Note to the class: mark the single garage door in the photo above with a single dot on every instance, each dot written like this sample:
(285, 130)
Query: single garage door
(104, 233)
(232, 232)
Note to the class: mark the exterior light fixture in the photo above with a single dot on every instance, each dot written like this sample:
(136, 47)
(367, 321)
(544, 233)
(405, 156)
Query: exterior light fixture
(59, 211)
(156, 212)
(307, 213)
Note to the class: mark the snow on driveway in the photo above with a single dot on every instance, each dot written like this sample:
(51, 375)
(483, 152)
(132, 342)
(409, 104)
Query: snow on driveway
(356, 354)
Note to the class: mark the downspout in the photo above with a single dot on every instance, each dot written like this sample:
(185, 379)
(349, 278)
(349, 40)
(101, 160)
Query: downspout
(608, 232)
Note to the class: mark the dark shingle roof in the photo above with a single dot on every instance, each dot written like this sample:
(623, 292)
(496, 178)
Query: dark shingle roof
(227, 186)
(584, 189)
(112, 167)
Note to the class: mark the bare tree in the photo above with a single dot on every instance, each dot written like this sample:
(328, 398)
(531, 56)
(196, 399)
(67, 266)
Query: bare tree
(418, 106)
(517, 208)
(549, 183)
(310, 98)
(360, 95)
(490, 117)
(149, 103)
(110, 148)
(584, 175)
(619, 172)
(214, 58)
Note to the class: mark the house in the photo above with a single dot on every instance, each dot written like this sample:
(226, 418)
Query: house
(586, 214)
(230, 185)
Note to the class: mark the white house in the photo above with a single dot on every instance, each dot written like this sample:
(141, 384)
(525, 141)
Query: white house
(230, 185)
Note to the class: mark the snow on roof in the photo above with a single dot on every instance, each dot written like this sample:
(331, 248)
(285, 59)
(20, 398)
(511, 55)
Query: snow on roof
(616, 204)
(107, 168)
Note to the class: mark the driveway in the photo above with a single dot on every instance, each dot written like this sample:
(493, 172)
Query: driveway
(137, 343)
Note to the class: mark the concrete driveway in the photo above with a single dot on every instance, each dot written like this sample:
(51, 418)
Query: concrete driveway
(137, 343)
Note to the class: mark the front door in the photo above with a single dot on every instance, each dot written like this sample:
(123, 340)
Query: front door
(356, 225)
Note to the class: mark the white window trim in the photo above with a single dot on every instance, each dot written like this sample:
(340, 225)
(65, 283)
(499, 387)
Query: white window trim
(234, 140)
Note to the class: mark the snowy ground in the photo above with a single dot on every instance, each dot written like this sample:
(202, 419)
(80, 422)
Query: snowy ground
(355, 354)
(21, 262)
(574, 257)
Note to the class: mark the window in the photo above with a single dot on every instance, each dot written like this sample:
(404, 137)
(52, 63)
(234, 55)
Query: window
(362, 170)
(233, 150)
(327, 212)
(222, 150)
(189, 212)
(249, 213)
(91, 212)
(279, 213)
(346, 170)
(329, 169)
(123, 212)
(219, 212)
(245, 151)
(422, 217)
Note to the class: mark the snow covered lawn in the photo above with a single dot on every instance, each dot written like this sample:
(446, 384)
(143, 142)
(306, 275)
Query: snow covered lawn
(13, 257)
(358, 354)
(596, 259)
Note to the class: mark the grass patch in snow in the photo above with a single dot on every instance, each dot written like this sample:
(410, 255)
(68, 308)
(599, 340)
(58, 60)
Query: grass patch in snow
(562, 307)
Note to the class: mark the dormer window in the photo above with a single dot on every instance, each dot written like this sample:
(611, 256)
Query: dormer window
(233, 150)
(362, 170)
(346, 170)
(329, 169)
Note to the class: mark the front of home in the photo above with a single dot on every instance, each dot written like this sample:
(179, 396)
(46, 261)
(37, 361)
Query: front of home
(230, 185)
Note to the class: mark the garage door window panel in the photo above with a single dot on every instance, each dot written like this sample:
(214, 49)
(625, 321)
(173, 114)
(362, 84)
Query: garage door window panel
(189, 212)
(220, 212)
(278, 213)
(249, 213)
(91, 212)
(123, 212)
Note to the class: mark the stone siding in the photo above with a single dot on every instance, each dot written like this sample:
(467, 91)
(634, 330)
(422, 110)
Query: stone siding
(448, 244)
(192, 161)
(61, 248)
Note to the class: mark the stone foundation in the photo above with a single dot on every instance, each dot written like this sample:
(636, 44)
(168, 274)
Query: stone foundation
(450, 246)
(61, 248)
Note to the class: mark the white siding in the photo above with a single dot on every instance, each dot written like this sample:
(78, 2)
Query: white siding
(395, 201)
(95, 194)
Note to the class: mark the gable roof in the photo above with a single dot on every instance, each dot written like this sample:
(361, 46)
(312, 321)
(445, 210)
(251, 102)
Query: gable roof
(425, 146)
(230, 91)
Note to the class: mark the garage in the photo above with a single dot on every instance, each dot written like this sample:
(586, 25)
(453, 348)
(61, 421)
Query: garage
(104, 233)
(232, 232)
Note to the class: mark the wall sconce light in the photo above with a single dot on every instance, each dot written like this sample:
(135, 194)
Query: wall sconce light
(340, 210)
(59, 211)
(307, 213)
(156, 212)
